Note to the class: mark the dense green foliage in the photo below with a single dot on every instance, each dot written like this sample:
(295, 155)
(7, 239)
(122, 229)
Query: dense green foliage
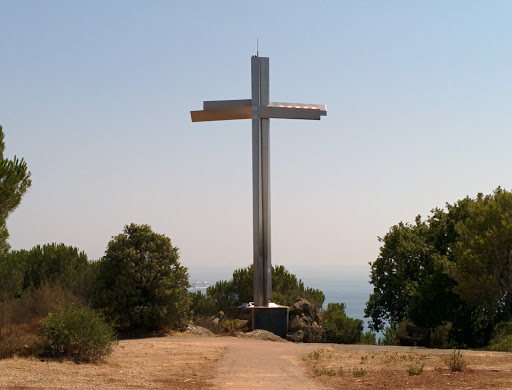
(202, 304)
(460, 256)
(140, 283)
(388, 336)
(339, 327)
(77, 333)
(55, 264)
(15, 180)
(368, 338)
(286, 289)
(483, 270)
(502, 337)
(440, 336)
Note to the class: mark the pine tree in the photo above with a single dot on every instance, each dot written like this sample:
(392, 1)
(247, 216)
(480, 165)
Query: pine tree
(14, 182)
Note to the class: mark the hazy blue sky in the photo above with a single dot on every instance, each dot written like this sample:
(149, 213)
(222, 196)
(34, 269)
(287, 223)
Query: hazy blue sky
(95, 95)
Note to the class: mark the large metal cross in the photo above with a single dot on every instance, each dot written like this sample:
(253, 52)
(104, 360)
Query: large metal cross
(260, 110)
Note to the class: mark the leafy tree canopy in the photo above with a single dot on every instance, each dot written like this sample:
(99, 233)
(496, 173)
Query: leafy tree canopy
(483, 256)
(411, 278)
(455, 267)
(140, 282)
(339, 327)
(286, 288)
(53, 263)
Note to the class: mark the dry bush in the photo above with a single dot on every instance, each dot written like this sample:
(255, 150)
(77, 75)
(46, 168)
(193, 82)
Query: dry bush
(20, 340)
(35, 304)
(5, 314)
(20, 318)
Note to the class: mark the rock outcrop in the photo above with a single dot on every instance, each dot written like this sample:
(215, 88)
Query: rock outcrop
(305, 324)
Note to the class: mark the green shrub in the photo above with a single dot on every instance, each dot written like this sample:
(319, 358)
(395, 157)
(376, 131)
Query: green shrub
(368, 338)
(234, 326)
(140, 283)
(77, 333)
(400, 329)
(224, 295)
(440, 336)
(358, 372)
(324, 371)
(502, 337)
(202, 305)
(415, 370)
(339, 327)
(390, 337)
(286, 289)
(455, 361)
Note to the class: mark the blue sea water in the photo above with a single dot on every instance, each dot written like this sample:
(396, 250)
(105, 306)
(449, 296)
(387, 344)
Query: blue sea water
(339, 284)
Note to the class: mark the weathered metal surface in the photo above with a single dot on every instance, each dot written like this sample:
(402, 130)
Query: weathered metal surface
(273, 319)
(222, 104)
(289, 113)
(261, 183)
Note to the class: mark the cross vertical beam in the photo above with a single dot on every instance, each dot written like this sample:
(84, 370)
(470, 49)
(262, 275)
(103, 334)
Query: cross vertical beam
(262, 265)
(260, 110)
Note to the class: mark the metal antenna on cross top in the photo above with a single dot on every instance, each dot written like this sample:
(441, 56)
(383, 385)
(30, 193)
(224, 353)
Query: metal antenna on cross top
(257, 48)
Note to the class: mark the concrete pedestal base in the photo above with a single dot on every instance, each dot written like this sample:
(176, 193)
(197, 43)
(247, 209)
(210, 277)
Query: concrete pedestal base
(273, 319)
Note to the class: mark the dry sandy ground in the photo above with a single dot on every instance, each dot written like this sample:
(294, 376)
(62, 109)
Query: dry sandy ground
(200, 362)
(155, 363)
(374, 367)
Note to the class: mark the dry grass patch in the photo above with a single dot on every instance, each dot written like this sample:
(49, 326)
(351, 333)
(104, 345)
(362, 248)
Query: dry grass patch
(157, 363)
(349, 368)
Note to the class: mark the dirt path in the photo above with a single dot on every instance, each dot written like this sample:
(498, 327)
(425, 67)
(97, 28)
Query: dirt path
(260, 364)
(185, 362)
(179, 362)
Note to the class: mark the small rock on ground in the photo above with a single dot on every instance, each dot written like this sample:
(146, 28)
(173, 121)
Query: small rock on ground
(197, 330)
(260, 334)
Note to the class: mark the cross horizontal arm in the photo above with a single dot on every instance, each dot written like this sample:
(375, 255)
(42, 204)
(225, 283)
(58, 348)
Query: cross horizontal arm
(221, 110)
(222, 114)
(222, 104)
(293, 111)
(307, 106)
